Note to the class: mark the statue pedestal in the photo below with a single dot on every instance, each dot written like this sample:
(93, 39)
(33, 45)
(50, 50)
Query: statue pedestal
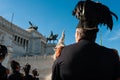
(50, 48)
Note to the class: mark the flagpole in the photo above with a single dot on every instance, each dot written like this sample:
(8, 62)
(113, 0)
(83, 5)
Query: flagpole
(12, 19)
(100, 37)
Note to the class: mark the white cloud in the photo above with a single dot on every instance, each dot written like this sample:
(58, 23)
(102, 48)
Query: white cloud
(115, 36)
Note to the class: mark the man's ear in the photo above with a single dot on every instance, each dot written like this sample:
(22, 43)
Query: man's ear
(78, 35)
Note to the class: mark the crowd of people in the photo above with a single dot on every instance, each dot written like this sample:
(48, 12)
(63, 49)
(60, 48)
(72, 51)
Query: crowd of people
(14, 73)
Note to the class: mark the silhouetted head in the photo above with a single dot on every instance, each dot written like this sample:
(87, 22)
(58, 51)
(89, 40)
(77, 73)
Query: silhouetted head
(15, 65)
(35, 72)
(27, 68)
(3, 51)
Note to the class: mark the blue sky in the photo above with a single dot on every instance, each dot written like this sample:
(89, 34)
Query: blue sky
(56, 16)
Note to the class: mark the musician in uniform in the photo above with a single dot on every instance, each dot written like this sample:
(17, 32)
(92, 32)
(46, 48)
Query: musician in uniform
(85, 59)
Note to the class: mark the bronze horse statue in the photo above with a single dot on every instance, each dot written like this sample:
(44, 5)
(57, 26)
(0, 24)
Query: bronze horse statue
(52, 37)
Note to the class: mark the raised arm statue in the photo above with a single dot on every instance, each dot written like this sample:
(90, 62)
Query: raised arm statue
(60, 45)
(61, 40)
(32, 26)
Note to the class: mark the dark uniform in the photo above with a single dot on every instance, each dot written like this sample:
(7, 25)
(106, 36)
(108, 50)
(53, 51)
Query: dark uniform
(35, 78)
(28, 77)
(16, 75)
(3, 72)
(86, 61)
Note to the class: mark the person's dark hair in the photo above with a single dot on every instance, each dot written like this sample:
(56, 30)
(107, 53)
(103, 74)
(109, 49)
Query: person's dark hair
(27, 68)
(88, 34)
(3, 51)
(35, 72)
(14, 65)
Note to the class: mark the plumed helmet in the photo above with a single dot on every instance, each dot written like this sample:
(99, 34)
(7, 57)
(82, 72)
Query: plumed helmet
(91, 14)
(3, 50)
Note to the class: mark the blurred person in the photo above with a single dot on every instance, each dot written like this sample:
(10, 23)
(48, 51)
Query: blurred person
(15, 75)
(35, 74)
(27, 72)
(3, 71)
(85, 59)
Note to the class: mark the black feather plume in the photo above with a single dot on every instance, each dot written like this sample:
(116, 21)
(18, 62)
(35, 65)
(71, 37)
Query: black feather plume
(91, 14)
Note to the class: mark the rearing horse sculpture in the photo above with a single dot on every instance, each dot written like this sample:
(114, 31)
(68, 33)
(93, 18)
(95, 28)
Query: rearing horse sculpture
(52, 37)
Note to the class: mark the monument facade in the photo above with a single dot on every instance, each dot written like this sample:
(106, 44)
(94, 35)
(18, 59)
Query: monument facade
(22, 42)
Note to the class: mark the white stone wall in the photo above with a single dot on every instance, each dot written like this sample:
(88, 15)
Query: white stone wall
(50, 48)
(23, 42)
